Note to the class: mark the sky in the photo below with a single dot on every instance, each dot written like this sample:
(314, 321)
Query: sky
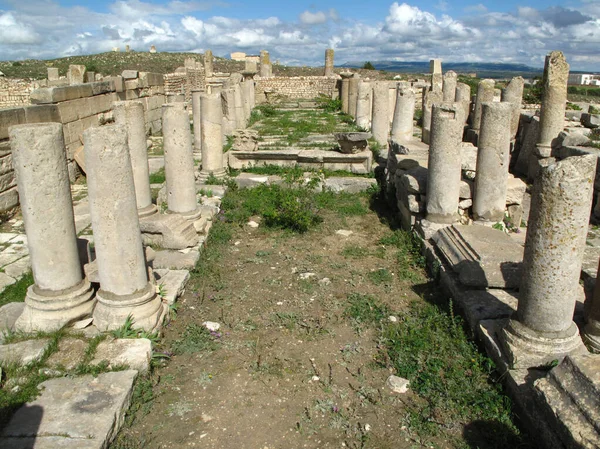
(297, 32)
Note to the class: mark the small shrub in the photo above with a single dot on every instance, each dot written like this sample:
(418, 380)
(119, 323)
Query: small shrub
(158, 177)
(368, 66)
(195, 338)
(365, 309)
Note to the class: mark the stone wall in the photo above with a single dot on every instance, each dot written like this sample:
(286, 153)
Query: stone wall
(298, 87)
(184, 81)
(16, 92)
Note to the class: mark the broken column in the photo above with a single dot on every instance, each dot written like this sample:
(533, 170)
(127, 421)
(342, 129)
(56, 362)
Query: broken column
(430, 98)
(450, 79)
(197, 124)
(130, 114)
(485, 94)
(238, 102)
(247, 88)
(329, 62)
(61, 294)
(76, 74)
(125, 288)
(266, 70)
(353, 94)
(212, 139)
(542, 329)
(380, 125)
(435, 68)
(208, 64)
(513, 94)
(179, 161)
(463, 97)
(443, 178)
(402, 126)
(493, 155)
(363, 105)
(345, 91)
(591, 331)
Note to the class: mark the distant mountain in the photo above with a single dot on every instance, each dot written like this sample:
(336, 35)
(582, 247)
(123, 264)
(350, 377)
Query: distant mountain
(482, 69)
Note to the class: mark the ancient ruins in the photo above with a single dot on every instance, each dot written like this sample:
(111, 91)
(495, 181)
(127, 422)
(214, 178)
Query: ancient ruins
(458, 179)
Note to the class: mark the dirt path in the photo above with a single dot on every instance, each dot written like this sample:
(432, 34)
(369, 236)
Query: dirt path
(288, 367)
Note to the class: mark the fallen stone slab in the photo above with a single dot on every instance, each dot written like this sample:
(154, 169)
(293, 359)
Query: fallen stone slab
(23, 352)
(134, 353)
(81, 412)
(350, 185)
(8, 315)
(5, 281)
(71, 352)
(176, 260)
(172, 283)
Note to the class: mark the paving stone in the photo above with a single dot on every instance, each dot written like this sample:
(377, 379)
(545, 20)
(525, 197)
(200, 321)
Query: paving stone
(176, 260)
(71, 352)
(136, 353)
(83, 412)
(350, 185)
(8, 258)
(5, 281)
(155, 164)
(23, 352)
(5, 237)
(8, 315)
(19, 268)
(172, 283)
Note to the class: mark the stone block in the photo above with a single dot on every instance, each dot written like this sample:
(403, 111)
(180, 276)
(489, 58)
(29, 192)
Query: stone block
(571, 138)
(132, 94)
(19, 268)
(134, 353)
(7, 181)
(468, 156)
(172, 283)
(466, 189)
(414, 180)
(8, 315)
(53, 73)
(350, 185)
(176, 260)
(100, 103)
(590, 120)
(102, 87)
(72, 132)
(59, 94)
(10, 117)
(129, 74)
(5, 281)
(23, 352)
(148, 79)
(42, 114)
(9, 199)
(515, 190)
(76, 74)
(132, 84)
(6, 164)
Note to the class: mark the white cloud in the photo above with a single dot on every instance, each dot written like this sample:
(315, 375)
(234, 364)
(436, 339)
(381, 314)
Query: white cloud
(14, 32)
(313, 18)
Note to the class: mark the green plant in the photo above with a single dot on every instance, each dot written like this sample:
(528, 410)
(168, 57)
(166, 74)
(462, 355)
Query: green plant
(573, 107)
(158, 177)
(593, 109)
(127, 330)
(354, 251)
(195, 338)
(17, 291)
(532, 93)
(410, 261)
(365, 309)
(368, 66)
(380, 276)
(329, 104)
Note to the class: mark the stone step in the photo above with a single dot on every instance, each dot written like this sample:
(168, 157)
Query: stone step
(569, 398)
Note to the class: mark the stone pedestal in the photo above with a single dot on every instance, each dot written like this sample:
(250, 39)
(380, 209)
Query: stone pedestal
(247, 88)
(449, 87)
(485, 94)
(591, 331)
(463, 97)
(212, 141)
(130, 114)
(208, 64)
(493, 157)
(60, 294)
(353, 94)
(125, 288)
(345, 91)
(443, 179)
(197, 123)
(329, 53)
(266, 70)
(402, 126)
(179, 161)
(542, 330)
(513, 94)
(380, 126)
(363, 104)
(429, 99)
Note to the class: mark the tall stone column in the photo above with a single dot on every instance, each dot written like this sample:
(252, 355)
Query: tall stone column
(450, 80)
(247, 87)
(229, 123)
(125, 289)
(197, 122)
(179, 161)
(240, 120)
(463, 97)
(266, 70)
(485, 94)
(513, 94)
(345, 91)
(212, 149)
(363, 104)
(554, 102)
(353, 94)
(208, 64)
(380, 126)
(437, 81)
(402, 126)
(542, 329)
(60, 294)
(430, 98)
(329, 53)
(130, 114)
(444, 167)
(591, 331)
(493, 156)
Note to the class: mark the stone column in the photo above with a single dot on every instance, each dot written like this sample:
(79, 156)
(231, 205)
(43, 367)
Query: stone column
(430, 98)
(554, 102)
(463, 97)
(179, 160)
(266, 70)
(435, 68)
(513, 94)
(402, 126)
(542, 329)
(493, 156)
(212, 148)
(53, 74)
(345, 91)
(130, 114)
(380, 126)
(246, 87)
(197, 123)
(485, 94)
(329, 62)
(208, 64)
(125, 289)
(353, 94)
(591, 331)
(229, 123)
(363, 105)
(60, 294)
(444, 167)
(240, 120)
(449, 86)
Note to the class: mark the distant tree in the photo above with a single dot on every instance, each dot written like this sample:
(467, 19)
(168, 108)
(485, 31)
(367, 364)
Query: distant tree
(368, 66)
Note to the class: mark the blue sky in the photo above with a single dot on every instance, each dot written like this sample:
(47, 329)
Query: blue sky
(298, 32)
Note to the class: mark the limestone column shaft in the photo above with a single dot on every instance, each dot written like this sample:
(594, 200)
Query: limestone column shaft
(380, 126)
(246, 87)
(329, 54)
(240, 121)
(513, 94)
(449, 86)
(493, 156)
(485, 94)
(463, 97)
(353, 95)
(345, 91)
(363, 104)
(591, 331)
(60, 294)
(179, 161)
(212, 150)
(208, 64)
(430, 98)
(229, 123)
(444, 167)
(542, 329)
(125, 289)
(131, 115)
(402, 126)
(196, 120)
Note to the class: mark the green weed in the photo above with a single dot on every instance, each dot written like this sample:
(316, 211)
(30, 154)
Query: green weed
(195, 338)
(365, 309)
(17, 291)
(158, 177)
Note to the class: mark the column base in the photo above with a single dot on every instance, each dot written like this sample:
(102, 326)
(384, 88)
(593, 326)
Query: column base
(203, 176)
(147, 211)
(192, 215)
(591, 336)
(144, 306)
(525, 348)
(170, 231)
(47, 310)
